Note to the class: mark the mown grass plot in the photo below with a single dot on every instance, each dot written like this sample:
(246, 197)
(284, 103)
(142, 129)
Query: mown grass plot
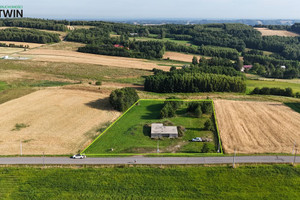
(132, 132)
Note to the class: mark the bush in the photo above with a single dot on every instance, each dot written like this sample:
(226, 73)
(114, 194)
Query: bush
(208, 125)
(98, 82)
(122, 99)
(198, 112)
(205, 148)
(167, 111)
(174, 104)
(207, 108)
(192, 106)
(288, 92)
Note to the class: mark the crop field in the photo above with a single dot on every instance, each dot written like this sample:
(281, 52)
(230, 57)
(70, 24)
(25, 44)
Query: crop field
(180, 56)
(294, 84)
(53, 121)
(269, 32)
(64, 45)
(9, 50)
(130, 135)
(51, 55)
(257, 127)
(31, 45)
(272, 182)
(62, 70)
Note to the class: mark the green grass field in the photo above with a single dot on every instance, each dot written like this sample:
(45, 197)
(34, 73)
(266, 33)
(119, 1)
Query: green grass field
(128, 134)
(3, 85)
(272, 182)
(183, 42)
(74, 71)
(251, 84)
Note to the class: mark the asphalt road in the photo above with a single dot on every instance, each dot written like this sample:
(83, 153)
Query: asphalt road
(145, 160)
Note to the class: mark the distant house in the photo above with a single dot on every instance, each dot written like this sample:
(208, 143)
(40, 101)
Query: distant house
(158, 130)
(133, 34)
(282, 67)
(118, 46)
(246, 67)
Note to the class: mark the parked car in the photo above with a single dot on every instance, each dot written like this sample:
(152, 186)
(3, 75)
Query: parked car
(197, 139)
(78, 156)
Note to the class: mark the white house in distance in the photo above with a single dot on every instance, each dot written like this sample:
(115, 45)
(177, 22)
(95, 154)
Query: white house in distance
(158, 130)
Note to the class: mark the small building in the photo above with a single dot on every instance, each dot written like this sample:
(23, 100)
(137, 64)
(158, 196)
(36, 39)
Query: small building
(246, 67)
(283, 67)
(118, 46)
(133, 34)
(158, 130)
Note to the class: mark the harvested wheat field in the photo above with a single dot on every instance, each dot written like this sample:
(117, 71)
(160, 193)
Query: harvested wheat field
(269, 32)
(77, 57)
(257, 127)
(54, 121)
(181, 56)
(31, 45)
(9, 50)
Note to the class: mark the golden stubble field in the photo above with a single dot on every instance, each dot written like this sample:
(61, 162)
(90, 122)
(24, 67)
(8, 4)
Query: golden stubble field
(59, 121)
(269, 32)
(52, 55)
(257, 127)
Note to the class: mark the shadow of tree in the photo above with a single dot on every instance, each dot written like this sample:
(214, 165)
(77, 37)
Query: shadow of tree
(147, 130)
(100, 104)
(154, 111)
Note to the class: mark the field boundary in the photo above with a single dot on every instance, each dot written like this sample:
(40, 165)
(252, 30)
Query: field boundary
(220, 149)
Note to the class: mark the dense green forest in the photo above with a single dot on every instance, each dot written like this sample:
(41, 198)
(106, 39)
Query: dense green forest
(28, 35)
(193, 82)
(35, 23)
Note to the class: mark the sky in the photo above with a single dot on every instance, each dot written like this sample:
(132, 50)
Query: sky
(154, 9)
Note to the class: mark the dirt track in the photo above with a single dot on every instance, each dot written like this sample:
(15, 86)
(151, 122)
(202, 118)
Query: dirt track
(58, 121)
(269, 32)
(257, 127)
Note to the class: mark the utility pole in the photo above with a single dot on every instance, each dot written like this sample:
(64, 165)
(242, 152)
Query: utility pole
(295, 157)
(43, 160)
(294, 147)
(21, 147)
(157, 147)
(233, 164)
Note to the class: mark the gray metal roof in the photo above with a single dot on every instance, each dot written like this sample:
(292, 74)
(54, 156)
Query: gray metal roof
(159, 128)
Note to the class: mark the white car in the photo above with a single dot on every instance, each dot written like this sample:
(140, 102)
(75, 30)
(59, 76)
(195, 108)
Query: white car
(78, 156)
(197, 139)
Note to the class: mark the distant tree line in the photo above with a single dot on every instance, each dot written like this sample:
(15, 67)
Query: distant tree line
(28, 35)
(288, 92)
(55, 25)
(193, 82)
(137, 49)
(270, 71)
(14, 45)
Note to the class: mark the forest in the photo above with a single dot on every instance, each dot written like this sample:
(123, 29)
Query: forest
(28, 35)
(193, 82)
(35, 23)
